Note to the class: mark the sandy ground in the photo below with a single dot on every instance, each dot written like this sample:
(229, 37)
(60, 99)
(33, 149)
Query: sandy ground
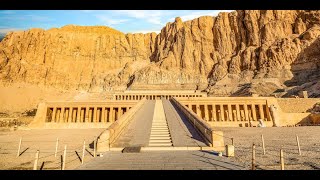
(45, 141)
(275, 139)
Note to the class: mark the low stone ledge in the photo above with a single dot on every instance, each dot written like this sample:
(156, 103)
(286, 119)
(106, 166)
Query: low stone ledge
(107, 137)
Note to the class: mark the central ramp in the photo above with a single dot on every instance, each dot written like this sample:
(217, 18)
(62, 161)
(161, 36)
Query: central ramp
(160, 135)
(160, 125)
(137, 133)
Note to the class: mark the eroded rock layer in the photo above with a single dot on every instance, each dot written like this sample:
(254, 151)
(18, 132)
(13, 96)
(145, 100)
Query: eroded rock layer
(237, 53)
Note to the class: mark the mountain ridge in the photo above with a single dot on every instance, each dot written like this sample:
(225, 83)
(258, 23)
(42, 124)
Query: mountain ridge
(218, 54)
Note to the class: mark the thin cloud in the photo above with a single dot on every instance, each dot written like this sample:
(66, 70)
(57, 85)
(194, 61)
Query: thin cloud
(151, 16)
(27, 17)
(4, 31)
(108, 21)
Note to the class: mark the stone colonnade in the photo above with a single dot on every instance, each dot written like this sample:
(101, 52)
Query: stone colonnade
(229, 111)
(152, 96)
(84, 114)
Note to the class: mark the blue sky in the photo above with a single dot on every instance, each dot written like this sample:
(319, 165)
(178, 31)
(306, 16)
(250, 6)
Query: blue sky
(126, 21)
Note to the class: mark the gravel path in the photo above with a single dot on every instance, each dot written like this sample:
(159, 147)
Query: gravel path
(276, 138)
(45, 141)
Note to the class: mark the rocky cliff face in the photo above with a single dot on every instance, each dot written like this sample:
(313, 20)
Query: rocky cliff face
(234, 53)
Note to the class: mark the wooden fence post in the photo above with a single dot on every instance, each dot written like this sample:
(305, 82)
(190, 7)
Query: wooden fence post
(57, 144)
(253, 157)
(18, 154)
(64, 157)
(35, 165)
(298, 144)
(83, 151)
(94, 147)
(264, 149)
(281, 159)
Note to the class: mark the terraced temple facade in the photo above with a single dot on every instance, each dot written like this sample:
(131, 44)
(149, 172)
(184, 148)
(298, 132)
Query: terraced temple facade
(217, 111)
(182, 120)
(156, 95)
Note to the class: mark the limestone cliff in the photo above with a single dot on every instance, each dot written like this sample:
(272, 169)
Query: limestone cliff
(234, 53)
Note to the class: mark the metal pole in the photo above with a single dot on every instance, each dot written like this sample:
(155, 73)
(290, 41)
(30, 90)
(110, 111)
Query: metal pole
(57, 144)
(281, 159)
(298, 144)
(64, 157)
(264, 150)
(18, 154)
(83, 150)
(253, 157)
(35, 165)
(94, 147)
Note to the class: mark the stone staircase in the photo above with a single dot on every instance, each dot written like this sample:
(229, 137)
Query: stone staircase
(160, 134)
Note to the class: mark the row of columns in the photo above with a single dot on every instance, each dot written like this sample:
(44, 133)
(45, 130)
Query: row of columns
(85, 114)
(152, 97)
(225, 112)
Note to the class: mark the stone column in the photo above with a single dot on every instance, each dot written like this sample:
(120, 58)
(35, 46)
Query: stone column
(61, 119)
(58, 116)
(254, 114)
(99, 114)
(95, 114)
(111, 114)
(82, 118)
(78, 114)
(238, 112)
(198, 110)
(90, 115)
(214, 114)
(261, 112)
(53, 119)
(246, 112)
(120, 112)
(70, 115)
(206, 112)
(86, 118)
(274, 115)
(74, 115)
(222, 112)
(103, 115)
(229, 112)
(242, 115)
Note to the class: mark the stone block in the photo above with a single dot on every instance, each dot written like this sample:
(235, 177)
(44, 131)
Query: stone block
(217, 140)
(229, 150)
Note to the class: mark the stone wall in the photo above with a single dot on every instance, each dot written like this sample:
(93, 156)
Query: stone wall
(297, 105)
